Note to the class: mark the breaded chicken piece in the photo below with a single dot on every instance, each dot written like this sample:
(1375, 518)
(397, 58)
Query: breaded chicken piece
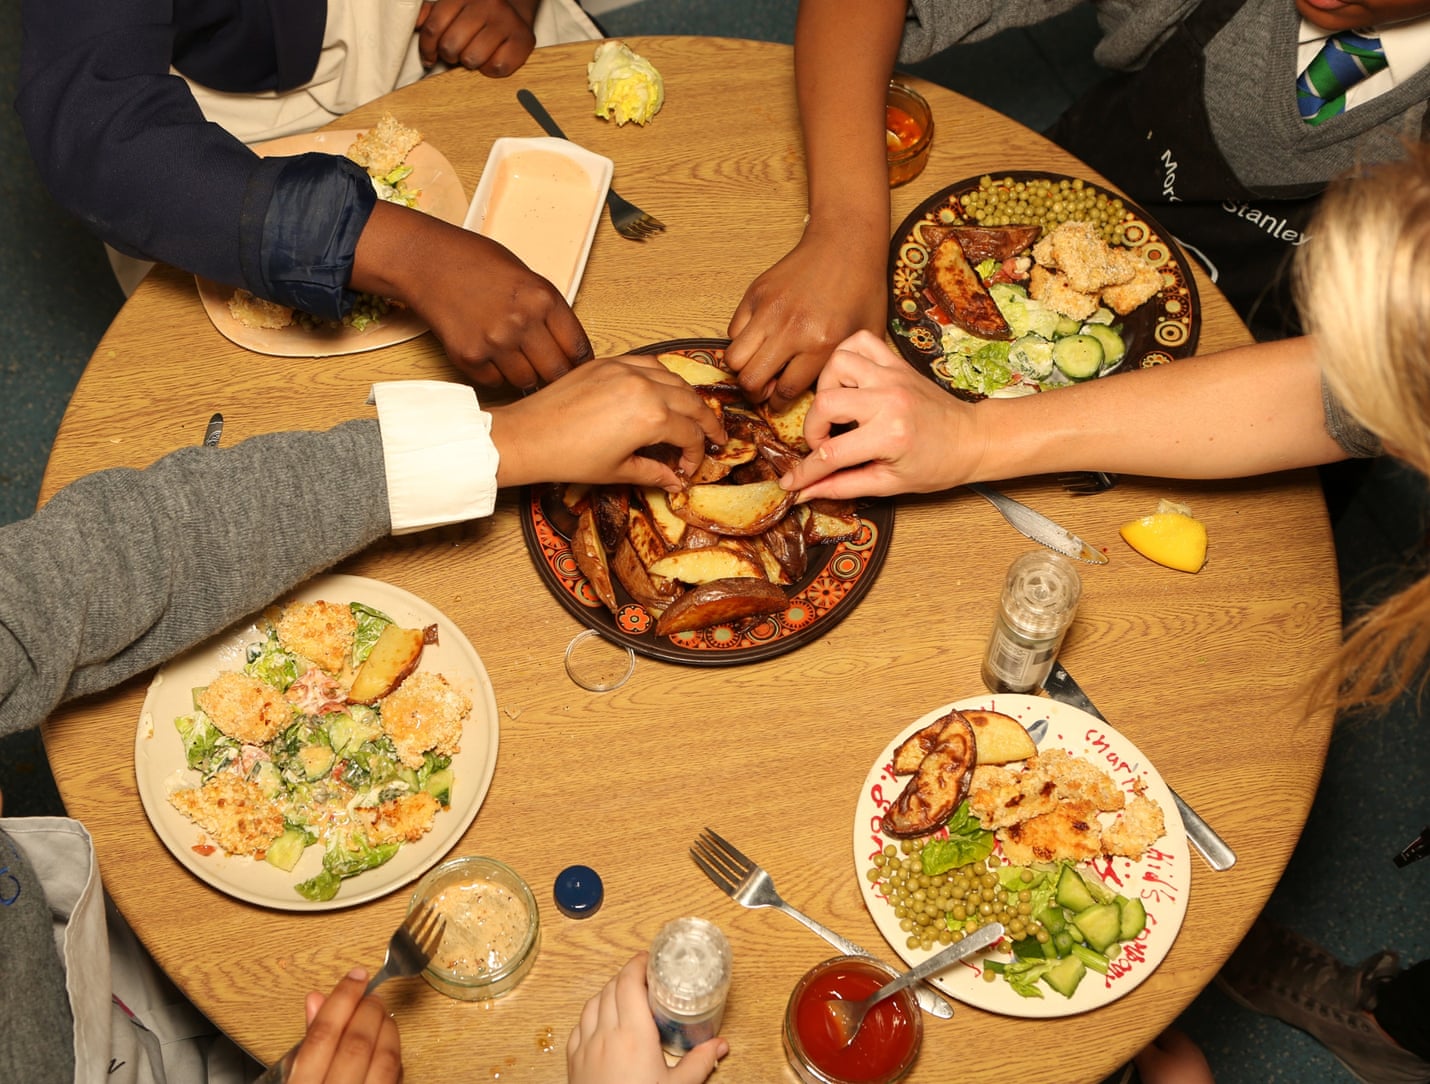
(321, 632)
(1079, 780)
(233, 811)
(1136, 828)
(1090, 263)
(1145, 284)
(408, 818)
(245, 708)
(1071, 830)
(424, 713)
(1051, 288)
(384, 146)
(1000, 797)
(252, 311)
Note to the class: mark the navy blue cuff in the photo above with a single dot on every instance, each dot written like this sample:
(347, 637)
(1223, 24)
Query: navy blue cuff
(318, 208)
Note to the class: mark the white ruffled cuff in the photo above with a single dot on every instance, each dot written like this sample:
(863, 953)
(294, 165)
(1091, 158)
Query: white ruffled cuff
(440, 462)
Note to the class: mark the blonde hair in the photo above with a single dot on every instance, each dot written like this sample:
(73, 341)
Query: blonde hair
(1363, 289)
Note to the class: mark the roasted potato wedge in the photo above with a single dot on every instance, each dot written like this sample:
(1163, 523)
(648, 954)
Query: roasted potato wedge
(612, 505)
(821, 527)
(720, 602)
(655, 593)
(786, 543)
(957, 288)
(1000, 738)
(574, 496)
(591, 558)
(695, 373)
(733, 510)
(938, 786)
(670, 526)
(721, 461)
(912, 750)
(707, 565)
(395, 655)
(788, 424)
(644, 537)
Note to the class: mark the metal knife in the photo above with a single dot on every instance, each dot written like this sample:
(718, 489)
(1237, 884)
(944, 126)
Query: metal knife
(1039, 527)
(213, 431)
(1061, 687)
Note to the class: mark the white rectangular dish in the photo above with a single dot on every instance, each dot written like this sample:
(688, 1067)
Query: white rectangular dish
(542, 197)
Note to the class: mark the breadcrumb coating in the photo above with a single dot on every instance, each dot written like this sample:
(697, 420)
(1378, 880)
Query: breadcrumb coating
(234, 811)
(245, 708)
(424, 713)
(321, 632)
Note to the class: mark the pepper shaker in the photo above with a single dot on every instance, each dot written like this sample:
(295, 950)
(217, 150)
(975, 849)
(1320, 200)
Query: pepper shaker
(688, 977)
(1039, 600)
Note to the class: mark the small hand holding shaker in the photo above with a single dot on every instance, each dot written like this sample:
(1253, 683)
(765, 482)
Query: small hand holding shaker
(688, 977)
(1039, 600)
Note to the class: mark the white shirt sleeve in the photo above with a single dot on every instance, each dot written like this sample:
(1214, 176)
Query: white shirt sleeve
(440, 462)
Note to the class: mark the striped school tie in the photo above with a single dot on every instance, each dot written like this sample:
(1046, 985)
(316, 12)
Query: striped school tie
(1345, 59)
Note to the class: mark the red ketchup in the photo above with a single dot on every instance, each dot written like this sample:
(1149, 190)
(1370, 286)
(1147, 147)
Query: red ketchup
(884, 1047)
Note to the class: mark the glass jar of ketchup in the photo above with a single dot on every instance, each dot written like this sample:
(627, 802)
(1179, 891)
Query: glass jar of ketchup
(885, 1047)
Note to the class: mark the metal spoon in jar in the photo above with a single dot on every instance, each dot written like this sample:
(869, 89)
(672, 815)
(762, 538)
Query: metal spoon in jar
(848, 1016)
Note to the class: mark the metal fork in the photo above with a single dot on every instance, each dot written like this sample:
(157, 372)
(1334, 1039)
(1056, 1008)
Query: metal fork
(1087, 482)
(750, 886)
(410, 947)
(630, 221)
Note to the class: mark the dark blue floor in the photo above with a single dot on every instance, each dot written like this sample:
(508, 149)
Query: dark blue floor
(1341, 888)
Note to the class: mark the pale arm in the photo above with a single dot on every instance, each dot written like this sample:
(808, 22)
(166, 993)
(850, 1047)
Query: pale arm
(1240, 412)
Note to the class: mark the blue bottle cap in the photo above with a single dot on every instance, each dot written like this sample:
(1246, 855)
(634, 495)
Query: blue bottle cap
(579, 892)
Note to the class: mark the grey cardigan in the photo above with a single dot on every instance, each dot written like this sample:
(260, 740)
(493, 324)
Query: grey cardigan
(125, 568)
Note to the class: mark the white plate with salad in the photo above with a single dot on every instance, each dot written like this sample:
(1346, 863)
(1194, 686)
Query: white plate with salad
(162, 755)
(1159, 882)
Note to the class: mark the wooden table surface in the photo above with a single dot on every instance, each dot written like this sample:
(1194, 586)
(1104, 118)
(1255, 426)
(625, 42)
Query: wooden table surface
(1204, 672)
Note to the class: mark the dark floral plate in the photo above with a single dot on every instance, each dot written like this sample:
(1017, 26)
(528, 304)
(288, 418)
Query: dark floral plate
(1160, 330)
(839, 574)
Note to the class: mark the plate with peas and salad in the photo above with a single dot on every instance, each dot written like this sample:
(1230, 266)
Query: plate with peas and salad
(1081, 934)
(1041, 348)
(326, 752)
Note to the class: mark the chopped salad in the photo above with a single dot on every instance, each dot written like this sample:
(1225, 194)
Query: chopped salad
(286, 760)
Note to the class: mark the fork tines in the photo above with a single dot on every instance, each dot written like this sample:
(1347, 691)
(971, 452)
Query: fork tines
(425, 926)
(1088, 482)
(722, 863)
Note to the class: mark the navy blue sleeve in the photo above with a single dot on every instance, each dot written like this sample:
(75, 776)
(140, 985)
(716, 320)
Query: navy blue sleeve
(121, 143)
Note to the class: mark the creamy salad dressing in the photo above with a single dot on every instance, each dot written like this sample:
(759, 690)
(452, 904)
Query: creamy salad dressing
(486, 927)
(540, 208)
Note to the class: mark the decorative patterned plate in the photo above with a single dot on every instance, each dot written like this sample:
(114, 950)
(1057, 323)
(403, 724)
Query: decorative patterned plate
(1161, 879)
(838, 575)
(160, 766)
(1160, 330)
(441, 195)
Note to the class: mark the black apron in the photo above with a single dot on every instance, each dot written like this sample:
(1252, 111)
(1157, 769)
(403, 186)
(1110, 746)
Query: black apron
(1158, 148)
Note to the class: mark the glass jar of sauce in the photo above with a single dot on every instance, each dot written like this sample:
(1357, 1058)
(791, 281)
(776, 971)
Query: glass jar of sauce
(908, 133)
(886, 1045)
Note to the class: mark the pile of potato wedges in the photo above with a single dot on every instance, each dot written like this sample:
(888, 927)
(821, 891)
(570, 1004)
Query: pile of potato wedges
(723, 550)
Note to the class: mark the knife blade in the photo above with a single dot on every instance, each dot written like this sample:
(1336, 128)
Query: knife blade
(1039, 527)
(1060, 685)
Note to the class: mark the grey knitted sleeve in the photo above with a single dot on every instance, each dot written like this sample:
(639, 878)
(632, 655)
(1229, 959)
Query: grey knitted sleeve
(125, 568)
(1356, 440)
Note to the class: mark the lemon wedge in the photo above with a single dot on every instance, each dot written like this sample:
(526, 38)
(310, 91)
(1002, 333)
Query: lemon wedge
(1171, 536)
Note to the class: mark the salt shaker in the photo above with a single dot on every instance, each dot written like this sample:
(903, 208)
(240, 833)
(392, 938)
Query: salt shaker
(688, 977)
(1039, 600)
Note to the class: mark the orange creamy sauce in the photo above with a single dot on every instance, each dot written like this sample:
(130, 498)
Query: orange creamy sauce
(902, 127)
(540, 208)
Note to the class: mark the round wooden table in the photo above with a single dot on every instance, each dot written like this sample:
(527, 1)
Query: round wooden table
(1204, 672)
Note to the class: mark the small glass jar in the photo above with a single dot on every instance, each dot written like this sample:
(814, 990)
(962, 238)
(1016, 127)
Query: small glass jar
(886, 1045)
(908, 123)
(1039, 601)
(688, 977)
(493, 931)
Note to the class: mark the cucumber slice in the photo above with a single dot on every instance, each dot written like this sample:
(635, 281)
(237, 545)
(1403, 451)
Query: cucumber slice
(1031, 354)
(1065, 975)
(285, 851)
(1066, 326)
(317, 760)
(1078, 357)
(1113, 348)
(1132, 918)
(439, 785)
(1073, 892)
(1100, 925)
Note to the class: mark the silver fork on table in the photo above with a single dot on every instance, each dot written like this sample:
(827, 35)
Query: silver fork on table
(630, 221)
(750, 886)
(1084, 483)
(409, 949)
